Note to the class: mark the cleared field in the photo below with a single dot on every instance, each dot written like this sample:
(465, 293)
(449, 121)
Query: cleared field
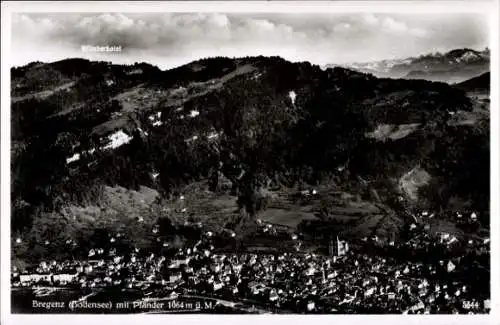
(44, 93)
(386, 132)
(121, 122)
(438, 225)
(117, 206)
(137, 98)
(289, 218)
(413, 180)
(120, 209)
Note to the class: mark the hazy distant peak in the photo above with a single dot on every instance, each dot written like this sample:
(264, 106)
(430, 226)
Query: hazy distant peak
(453, 66)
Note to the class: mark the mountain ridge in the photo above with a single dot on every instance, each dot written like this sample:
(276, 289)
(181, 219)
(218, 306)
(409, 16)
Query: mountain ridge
(453, 66)
(257, 123)
(479, 83)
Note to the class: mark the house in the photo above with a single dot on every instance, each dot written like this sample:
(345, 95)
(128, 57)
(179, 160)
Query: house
(193, 280)
(443, 237)
(217, 285)
(88, 268)
(311, 306)
(252, 261)
(237, 268)
(273, 295)
(216, 268)
(175, 277)
(452, 240)
(35, 278)
(255, 287)
(64, 278)
(310, 271)
(450, 266)
(331, 275)
(43, 265)
(227, 269)
(370, 291)
(178, 262)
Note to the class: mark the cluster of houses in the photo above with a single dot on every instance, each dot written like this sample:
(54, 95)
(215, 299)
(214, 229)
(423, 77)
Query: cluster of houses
(456, 217)
(422, 236)
(299, 282)
(345, 281)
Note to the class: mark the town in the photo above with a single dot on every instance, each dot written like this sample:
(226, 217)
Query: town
(349, 279)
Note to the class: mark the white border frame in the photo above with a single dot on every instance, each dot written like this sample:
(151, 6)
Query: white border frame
(490, 8)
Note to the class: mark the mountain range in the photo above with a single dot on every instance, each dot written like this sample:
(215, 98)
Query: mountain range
(451, 67)
(95, 144)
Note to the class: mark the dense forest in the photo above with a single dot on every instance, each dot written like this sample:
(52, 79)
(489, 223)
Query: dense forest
(269, 120)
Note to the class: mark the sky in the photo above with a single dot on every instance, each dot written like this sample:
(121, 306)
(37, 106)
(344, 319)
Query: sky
(172, 39)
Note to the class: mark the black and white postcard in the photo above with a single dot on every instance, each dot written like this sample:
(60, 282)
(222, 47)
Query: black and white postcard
(274, 158)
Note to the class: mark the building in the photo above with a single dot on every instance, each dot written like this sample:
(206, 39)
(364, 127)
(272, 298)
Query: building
(193, 280)
(338, 248)
(88, 269)
(178, 262)
(175, 277)
(217, 285)
(273, 295)
(64, 278)
(35, 278)
(216, 268)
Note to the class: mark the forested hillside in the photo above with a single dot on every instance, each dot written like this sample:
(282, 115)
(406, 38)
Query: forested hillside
(259, 123)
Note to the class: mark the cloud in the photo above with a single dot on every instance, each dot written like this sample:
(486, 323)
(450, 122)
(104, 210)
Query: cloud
(169, 39)
(392, 25)
(370, 19)
(343, 27)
